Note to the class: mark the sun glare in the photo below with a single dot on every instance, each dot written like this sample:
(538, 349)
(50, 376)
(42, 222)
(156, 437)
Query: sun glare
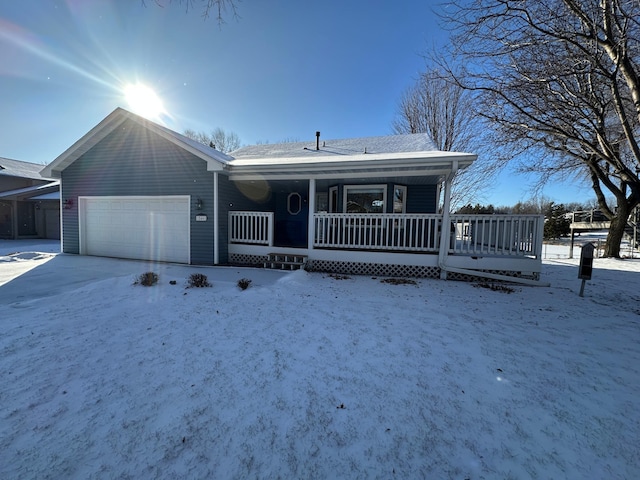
(143, 101)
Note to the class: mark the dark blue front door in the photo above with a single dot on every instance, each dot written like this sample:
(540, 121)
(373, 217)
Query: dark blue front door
(291, 217)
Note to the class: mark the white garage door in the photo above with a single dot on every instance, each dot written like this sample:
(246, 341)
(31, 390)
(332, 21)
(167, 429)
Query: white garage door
(143, 228)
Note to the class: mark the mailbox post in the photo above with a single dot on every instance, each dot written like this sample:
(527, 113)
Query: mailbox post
(586, 264)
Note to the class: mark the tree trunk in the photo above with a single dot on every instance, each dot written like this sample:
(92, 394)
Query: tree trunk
(616, 231)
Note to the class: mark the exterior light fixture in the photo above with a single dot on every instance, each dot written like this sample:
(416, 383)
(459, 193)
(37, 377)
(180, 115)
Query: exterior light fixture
(199, 204)
(68, 203)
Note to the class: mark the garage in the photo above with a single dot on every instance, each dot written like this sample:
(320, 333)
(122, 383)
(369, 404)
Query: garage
(137, 227)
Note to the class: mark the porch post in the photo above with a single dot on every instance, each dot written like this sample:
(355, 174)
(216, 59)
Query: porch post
(445, 230)
(216, 227)
(312, 208)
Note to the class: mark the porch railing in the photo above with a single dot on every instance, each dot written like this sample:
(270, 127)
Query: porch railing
(500, 235)
(255, 228)
(504, 235)
(397, 232)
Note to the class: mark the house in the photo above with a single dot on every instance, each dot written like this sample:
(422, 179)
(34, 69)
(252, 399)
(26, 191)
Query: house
(131, 188)
(29, 202)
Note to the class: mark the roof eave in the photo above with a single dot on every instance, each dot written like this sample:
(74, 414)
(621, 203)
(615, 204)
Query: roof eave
(423, 163)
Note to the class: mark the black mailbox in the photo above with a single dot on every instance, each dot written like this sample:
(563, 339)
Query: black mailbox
(586, 261)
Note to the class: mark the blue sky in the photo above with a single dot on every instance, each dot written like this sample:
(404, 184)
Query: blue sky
(282, 71)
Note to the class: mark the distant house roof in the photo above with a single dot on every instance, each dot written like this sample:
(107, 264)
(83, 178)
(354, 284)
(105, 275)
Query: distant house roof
(51, 188)
(18, 168)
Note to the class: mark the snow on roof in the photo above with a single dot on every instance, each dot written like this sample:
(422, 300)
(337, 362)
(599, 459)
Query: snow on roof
(389, 144)
(18, 168)
(205, 149)
(332, 156)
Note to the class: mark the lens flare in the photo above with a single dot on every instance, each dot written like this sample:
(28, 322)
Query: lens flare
(143, 101)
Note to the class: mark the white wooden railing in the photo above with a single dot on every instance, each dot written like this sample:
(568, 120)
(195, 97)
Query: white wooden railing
(504, 235)
(254, 228)
(500, 235)
(396, 232)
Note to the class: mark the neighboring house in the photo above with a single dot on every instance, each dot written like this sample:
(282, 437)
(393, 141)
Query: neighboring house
(133, 189)
(29, 202)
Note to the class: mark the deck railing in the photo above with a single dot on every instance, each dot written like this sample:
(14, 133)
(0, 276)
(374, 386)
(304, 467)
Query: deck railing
(255, 228)
(504, 235)
(395, 232)
(500, 235)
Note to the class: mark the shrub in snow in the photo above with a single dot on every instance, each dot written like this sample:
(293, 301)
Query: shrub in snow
(495, 287)
(147, 279)
(244, 283)
(198, 280)
(339, 277)
(399, 281)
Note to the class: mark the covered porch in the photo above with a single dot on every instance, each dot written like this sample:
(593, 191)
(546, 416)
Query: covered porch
(385, 213)
(396, 244)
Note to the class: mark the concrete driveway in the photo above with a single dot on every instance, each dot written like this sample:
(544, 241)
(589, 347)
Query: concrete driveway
(32, 269)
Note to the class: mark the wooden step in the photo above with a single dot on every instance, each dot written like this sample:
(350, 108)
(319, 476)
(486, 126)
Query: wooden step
(285, 261)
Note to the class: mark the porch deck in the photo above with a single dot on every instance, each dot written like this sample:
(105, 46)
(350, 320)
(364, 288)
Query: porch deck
(508, 245)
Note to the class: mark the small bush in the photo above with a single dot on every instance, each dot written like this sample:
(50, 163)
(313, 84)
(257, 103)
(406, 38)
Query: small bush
(146, 279)
(198, 280)
(244, 283)
(335, 276)
(399, 281)
(495, 287)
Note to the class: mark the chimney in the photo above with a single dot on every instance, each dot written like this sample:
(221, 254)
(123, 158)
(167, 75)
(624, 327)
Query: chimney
(317, 140)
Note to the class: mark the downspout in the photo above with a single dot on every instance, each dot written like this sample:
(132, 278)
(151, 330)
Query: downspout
(445, 229)
(216, 226)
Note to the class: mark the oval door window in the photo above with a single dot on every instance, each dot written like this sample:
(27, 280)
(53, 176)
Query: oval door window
(294, 203)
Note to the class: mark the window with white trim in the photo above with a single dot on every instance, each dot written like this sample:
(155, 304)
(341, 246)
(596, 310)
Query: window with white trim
(322, 202)
(333, 200)
(365, 199)
(399, 199)
(294, 203)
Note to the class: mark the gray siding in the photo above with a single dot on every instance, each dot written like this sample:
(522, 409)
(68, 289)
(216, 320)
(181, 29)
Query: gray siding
(422, 199)
(134, 161)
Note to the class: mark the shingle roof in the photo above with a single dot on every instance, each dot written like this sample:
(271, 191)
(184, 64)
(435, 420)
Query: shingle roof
(205, 149)
(18, 168)
(350, 146)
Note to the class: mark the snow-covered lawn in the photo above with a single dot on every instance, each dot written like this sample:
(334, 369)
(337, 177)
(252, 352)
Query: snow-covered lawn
(305, 375)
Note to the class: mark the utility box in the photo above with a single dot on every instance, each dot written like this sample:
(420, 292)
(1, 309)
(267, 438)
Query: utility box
(586, 261)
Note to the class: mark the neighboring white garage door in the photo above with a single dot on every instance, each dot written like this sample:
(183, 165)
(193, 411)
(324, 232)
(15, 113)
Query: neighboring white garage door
(143, 228)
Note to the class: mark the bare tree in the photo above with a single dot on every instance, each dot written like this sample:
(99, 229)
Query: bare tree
(219, 139)
(442, 109)
(218, 8)
(559, 81)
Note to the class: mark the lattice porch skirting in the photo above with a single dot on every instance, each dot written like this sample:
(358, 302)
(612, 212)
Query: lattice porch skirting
(377, 269)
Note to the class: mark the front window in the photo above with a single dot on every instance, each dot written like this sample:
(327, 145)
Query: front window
(365, 198)
(399, 199)
(322, 202)
(333, 200)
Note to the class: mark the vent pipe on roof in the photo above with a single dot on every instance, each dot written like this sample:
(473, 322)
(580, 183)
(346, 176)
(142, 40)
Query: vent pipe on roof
(317, 140)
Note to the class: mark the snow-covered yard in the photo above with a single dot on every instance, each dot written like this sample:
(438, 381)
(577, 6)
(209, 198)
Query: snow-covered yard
(315, 376)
